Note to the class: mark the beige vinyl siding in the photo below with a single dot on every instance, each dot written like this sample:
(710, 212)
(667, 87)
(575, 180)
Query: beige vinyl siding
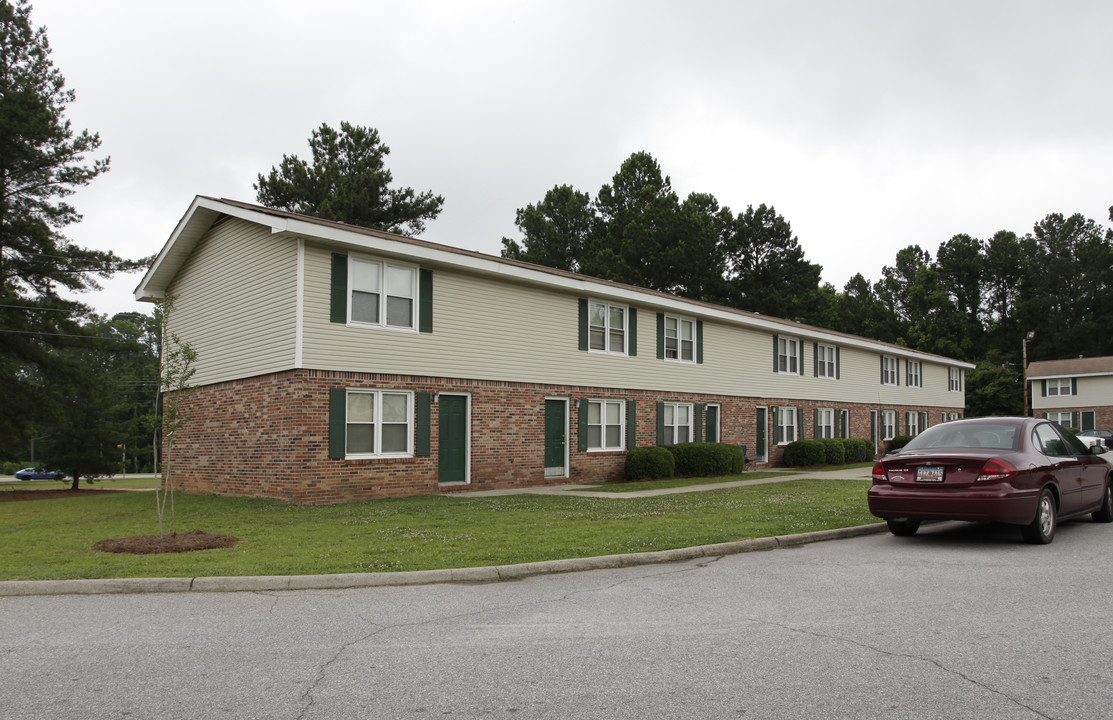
(236, 300)
(1095, 391)
(500, 329)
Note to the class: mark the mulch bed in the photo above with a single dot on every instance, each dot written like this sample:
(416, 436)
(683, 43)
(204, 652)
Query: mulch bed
(171, 543)
(136, 544)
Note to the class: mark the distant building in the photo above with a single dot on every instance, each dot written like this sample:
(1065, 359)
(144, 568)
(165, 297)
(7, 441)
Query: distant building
(1076, 393)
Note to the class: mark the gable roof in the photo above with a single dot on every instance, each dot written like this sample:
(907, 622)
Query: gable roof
(204, 211)
(1073, 367)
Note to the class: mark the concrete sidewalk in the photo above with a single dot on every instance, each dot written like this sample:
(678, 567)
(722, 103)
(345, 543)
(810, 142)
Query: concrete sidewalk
(586, 491)
(497, 573)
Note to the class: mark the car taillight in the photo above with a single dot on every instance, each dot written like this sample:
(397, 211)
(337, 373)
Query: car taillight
(879, 474)
(996, 470)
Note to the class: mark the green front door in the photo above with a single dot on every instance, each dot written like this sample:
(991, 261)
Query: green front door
(711, 434)
(452, 457)
(556, 439)
(762, 451)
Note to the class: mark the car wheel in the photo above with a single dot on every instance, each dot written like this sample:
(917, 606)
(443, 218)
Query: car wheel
(1041, 530)
(903, 528)
(1105, 514)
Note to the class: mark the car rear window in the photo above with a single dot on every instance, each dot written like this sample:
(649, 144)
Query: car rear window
(996, 436)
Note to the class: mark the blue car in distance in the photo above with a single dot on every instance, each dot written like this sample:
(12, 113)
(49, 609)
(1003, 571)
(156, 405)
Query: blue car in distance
(39, 474)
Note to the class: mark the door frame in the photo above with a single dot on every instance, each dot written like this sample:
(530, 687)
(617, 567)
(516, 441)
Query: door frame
(761, 434)
(467, 436)
(567, 419)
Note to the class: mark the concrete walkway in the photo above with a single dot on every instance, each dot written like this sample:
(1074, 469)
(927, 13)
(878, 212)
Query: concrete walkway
(468, 575)
(586, 491)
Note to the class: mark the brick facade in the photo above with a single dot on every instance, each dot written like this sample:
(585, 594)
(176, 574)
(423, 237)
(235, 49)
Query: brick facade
(269, 436)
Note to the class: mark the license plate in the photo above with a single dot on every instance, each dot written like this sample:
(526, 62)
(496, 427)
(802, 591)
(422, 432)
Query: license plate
(929, 474)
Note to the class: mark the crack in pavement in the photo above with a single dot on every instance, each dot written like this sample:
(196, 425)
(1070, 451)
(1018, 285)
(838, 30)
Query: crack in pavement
(909, 656)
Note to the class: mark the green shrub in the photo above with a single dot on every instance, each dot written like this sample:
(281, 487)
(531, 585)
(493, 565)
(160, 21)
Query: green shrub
(898, 442)
(803, 453)
(859, 450)
(11, 468)
(834, 451)
(708, 459)
(649, 462)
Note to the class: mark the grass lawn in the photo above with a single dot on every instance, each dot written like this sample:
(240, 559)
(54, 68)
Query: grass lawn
(53, 539)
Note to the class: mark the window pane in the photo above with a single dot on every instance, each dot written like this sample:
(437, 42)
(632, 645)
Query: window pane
(365, 307)
(670, 327)
(614, 413)
(614, 436)
(618, 340)
(618, 321)
(594, 413)
(598, 314)
(361, 407)
(394, 408)
(365, 275)
(670, 414)
(594, 436)
(686, 350)
(684, 413)
(682, 434)
(399, 311)
(670, 435)
(361, 439)
(394, 438)
(598, 339)
(399, 281)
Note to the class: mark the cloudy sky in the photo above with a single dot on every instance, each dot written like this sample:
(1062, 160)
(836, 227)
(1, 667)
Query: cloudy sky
(869, 125)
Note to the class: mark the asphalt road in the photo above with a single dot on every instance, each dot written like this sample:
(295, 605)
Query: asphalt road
(961, 621)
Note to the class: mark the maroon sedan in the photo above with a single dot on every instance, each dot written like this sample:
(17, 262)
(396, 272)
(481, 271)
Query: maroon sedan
(1024, 471)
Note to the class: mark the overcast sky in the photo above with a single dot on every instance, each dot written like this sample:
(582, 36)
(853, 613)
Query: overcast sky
(869, 125)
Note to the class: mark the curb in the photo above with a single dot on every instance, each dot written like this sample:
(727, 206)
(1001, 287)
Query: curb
(494, 573)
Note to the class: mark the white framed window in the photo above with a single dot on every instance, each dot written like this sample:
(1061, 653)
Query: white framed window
(788, 355)
(677, 424)
(606, 425)
(784, 425)
(954, 379)
(824, 423)
(914, 373)
(378, 423)
(826, 361)
(889, 370)
(953, 416)
(1059, 387)
(912, 422)
(680, 339)
(382, 294)
(1064, 419)
(888, 424)
(607, 327)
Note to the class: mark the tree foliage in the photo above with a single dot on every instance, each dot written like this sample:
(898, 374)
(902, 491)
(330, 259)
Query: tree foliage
(347, 181)
(974, 300)
(43, 160)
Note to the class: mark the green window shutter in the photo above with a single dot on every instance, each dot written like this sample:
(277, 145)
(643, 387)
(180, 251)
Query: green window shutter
(882, 369)
(697, 423)
(923, 421)
(873, 426)
(699, 341)
(425, 302)
(660, 336)
(583, 327)
(337, 418)
(631, 425)
(422, 422)
(633, 344)
(338, 290)
(815, 359)
(815, 427)
(778, 429)
(800, 357)
(1074, 386)
(1043, 388)
(776, 347)
(800, 423)
(581, 423)
(838, 363)
(660, 423)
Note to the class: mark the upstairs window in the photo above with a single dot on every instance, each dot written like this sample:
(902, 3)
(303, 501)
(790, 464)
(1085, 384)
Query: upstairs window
(889, 370)
(788, 355)
(826, 361)
(954, 379)
(381, 294)
(607, 327)
(914, 374)
(680, 339)
(1059, 387)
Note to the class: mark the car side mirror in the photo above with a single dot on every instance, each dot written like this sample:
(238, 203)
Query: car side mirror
(1098, 449)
